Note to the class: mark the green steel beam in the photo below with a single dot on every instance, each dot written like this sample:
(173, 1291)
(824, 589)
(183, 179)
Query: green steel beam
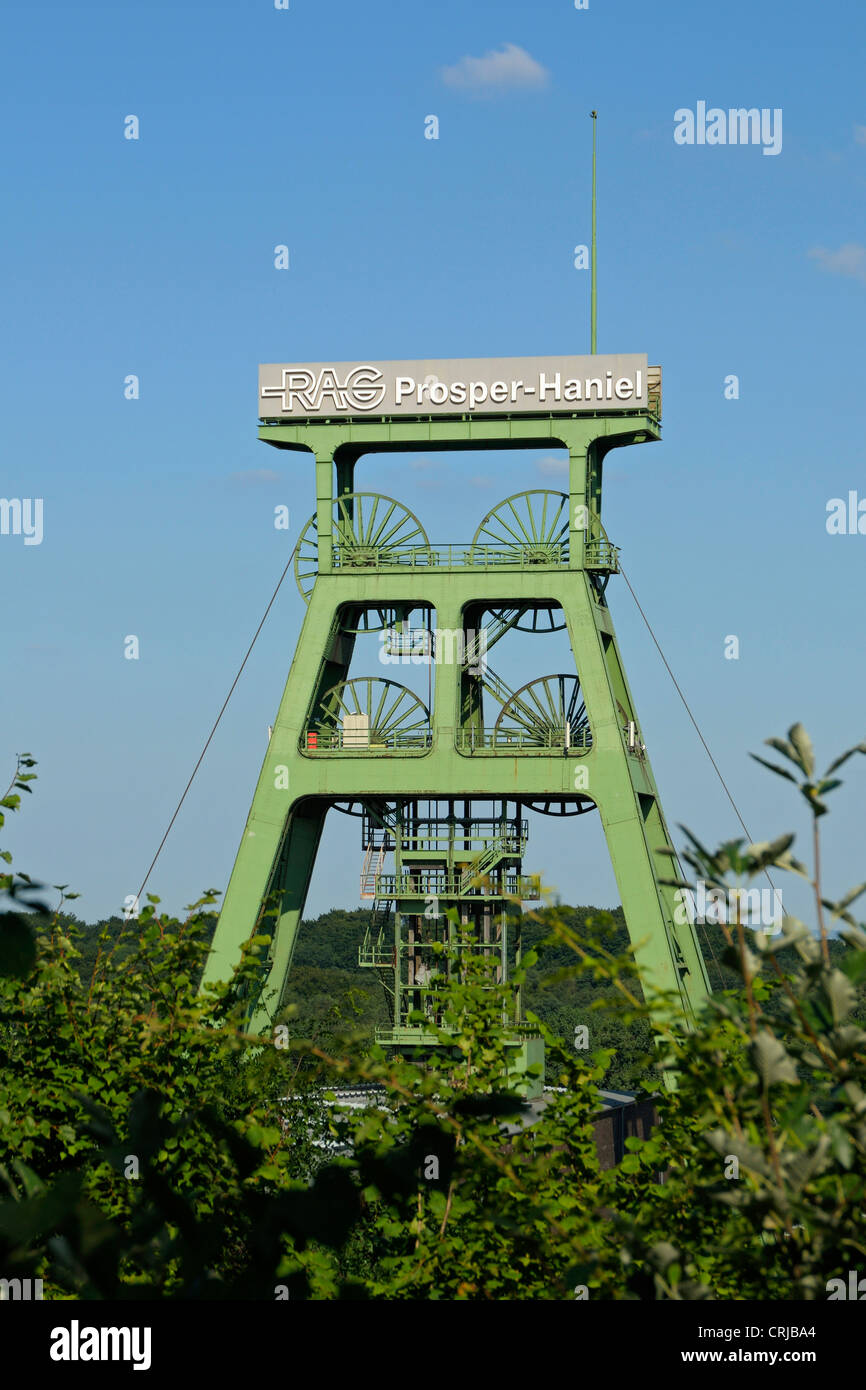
(298, 783)
(337, 439)
(621, 784)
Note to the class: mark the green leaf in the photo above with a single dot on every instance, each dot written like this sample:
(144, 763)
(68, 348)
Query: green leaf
(732, 1145)
(17, 949)
(847, 1040)
(782, 745)
(745, 963)
(851, 895)
(769, 851)
(841, 994)
(843, 1149)
(803, 1166)
(816, 805)
(829, 784)
(782, 771)
(772, 1062)
(837, 762)
(704, 854)
(793, 866)
(854, 966)
(803, 744)
(793, 930)
(663, 1254)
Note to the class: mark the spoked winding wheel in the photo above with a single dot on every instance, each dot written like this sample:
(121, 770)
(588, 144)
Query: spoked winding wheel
(394, 714)
(359, 620)
(531, 527)
(369, 530)
(373, 530)
(541, 711)
(531, 618)
(306, 559)
(572, 807)
(374, 810)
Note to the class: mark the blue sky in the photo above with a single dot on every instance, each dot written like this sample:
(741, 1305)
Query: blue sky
(305, 127)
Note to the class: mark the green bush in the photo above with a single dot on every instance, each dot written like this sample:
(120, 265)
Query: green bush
(149, 1147)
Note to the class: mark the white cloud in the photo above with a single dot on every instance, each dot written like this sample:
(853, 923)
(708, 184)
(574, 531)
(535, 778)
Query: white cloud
(430, 474)
(860, 134)
(257, 477)
(849, 260)
(509, 68)
(552, 467)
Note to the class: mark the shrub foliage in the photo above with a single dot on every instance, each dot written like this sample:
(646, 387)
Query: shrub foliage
(151, 1148)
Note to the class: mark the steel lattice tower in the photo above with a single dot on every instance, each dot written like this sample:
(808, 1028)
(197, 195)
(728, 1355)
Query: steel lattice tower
(442, 792)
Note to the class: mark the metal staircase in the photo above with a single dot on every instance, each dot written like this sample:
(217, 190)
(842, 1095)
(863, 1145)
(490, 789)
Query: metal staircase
(377, 949)
(371, 869)
(482, 862)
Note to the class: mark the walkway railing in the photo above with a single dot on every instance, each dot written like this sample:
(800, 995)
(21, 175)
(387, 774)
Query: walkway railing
(599, 554)
(448, 556)
(436, 884)
(335, 740)
(522, 741)
(472, 836)
(578, 741)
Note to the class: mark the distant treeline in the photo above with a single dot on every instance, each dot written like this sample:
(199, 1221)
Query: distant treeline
(328, 993)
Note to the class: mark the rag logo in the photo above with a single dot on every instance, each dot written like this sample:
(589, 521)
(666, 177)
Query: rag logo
(24, 1290)
(856, 1289)
(363, 389)
(75, 1343)
(737, 126)
(22, 516)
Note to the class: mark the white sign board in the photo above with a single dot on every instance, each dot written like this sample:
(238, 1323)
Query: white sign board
(462, 386)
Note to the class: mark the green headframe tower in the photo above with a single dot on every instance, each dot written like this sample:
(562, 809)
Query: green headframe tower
(441, 787)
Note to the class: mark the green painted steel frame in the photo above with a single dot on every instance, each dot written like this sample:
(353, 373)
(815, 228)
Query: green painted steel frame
(296, 786)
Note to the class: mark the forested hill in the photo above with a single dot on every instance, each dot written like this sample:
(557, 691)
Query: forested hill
(330, 994)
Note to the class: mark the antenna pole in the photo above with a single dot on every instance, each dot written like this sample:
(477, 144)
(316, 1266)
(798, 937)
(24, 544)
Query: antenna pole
(593, 308)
